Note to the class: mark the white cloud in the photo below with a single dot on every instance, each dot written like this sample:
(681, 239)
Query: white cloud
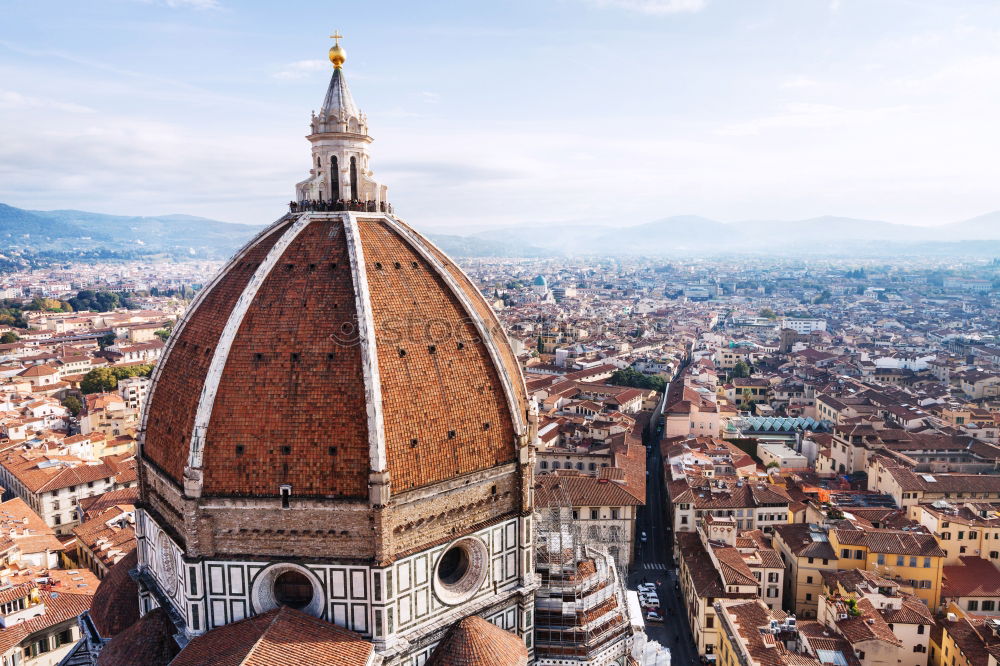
(799, 82)
(14, 100)
(301, 69)
(126, 163)
(430, 97)
(183, 4)
(800, 115)
(957, 78)
(894, 125)
(655, 7)
(192, 4)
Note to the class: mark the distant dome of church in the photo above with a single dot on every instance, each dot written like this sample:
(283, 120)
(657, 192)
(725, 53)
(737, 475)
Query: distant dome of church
(540, 281)
(333, 346)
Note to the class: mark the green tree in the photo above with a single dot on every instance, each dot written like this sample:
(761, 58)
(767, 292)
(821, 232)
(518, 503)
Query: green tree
(49, 305)
(73, 404)
(126, 371)
(635, 379)
(99, 380)
(101, 301)
(824, 297)
(12, 313)
(767, 313)
(9, 337)
(164, 332)
(106, 340)
(741, 369)
(106, 379)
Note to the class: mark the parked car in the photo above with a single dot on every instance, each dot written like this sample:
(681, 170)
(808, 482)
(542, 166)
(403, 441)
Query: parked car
(642, 537)
(650, 601)
(653, 616)
(648, 588)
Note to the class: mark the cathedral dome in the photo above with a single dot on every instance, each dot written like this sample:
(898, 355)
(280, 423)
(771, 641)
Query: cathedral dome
(337, 425)
(334, 347)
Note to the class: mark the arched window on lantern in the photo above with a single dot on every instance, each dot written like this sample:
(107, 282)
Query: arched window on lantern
(334, 178)
(354, 178)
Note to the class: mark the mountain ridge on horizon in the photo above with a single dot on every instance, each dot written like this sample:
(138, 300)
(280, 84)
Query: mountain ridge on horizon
(191, 236)
(698, 233)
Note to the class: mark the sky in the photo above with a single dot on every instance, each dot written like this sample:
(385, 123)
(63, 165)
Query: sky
(488, 114)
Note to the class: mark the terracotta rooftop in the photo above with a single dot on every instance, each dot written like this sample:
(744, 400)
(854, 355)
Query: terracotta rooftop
(896, 542)
(805, 542)
(110, 535)
(748, 618)
(277, 638)
(20, 526)
(58, 609)
(116, 603)
(973, 638)
(91, 506)
(476, 642)
(869, 625)
(148, 641)
(974, 577)
(42, 472)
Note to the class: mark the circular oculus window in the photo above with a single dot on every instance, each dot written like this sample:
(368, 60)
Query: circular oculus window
(461, 570)
(293, 589)
(289, 585)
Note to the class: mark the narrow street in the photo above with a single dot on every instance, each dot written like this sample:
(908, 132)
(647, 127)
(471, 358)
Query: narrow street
(654, 564)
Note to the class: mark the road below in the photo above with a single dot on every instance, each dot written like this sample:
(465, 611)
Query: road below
(654, 564)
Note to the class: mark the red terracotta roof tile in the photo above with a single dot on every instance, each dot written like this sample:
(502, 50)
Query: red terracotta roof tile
(116, 603)
(476, 642)
(291, 405)
(277, 638)
(148, 642)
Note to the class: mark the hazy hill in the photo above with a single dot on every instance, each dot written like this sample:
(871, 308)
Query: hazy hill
(819, 235)
(470, 246)
(68, 231)
(557, 238)
(179, 236)
(17, 226)
(680, 232)
(984, 227)
(176, 235)
(692, 233)
(71, 232)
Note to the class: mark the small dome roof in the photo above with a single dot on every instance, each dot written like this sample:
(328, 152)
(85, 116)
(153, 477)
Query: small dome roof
(279, 636)
(150, 642)
(476, 642)
(116, 603)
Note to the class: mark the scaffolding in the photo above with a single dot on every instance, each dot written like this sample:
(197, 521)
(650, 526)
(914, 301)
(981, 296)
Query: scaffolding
(580, 609)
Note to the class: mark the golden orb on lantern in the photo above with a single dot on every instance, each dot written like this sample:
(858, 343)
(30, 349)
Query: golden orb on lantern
(337, 53)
